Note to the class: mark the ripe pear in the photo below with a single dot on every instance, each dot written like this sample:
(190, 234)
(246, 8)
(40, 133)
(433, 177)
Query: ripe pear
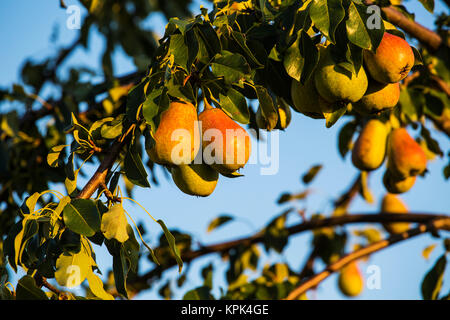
(392, 60)
(396, 186)
(370, 148)
(393, 204)
(224, 140)
(195, 179)
(350, 280)
(405, 156)
(177, 138)
(378, 97)
(334, 83)
(307, 100)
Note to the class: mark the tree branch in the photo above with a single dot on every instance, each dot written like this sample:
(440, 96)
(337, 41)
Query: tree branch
(381, 217)
(436, 224)
(98, 179)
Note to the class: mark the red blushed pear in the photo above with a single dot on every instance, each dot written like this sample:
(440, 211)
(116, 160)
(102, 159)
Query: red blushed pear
(223, 140)
(177, 138)
(392, 60)
(406, 157)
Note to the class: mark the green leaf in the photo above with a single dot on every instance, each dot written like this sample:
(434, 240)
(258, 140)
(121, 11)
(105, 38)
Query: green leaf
(356, 26)
(432, 282)
(231, 66)
(428, 4)
(332, 117)
(310, 54)
(267, 105)
(134, 169)
(155, 101)
(235, 106)
(200, 293)
(72, 268)
(311, 174)
(114, 224)
(171, 241)
(112, 129)
(30, 203)
(136, 96)
(209, 38)
(81, 216)
(29, 229)
(326, 16)
(96, 286)
(27, 290)
(345, 137)
(240, 40)
(179, 49)
(54, 157)
(218, 222)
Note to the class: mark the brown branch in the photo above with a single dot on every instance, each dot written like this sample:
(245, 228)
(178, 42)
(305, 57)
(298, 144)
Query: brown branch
(305, 226)
(312, 282)
(98, 179)
(42, 282)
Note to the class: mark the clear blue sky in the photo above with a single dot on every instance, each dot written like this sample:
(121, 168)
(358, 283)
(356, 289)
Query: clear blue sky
(27, 27)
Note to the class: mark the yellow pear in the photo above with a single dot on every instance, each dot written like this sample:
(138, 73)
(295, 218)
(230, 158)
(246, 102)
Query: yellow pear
(378, 97)
(396, 186)
(370, 148)
(393, 204)
(405, 156)
(350, 281)
(336, 84)
(195, 179)
(177, 138)
(307, 100)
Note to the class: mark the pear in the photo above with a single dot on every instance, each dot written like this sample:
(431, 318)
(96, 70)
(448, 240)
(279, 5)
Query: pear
(177, 138)
(195, 179)
(350, 280)
(396, 186)
(378, 97)
(226, 145)
(370, 148)
(307, 100)
(405, 156)
(393, 204)
(336, 84)
(392, 60)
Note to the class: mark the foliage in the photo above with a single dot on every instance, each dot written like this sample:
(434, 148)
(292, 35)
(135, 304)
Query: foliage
(238, 55)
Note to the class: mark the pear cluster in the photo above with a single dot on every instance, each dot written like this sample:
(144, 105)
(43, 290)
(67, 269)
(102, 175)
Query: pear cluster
(375, 88)
(183, 136)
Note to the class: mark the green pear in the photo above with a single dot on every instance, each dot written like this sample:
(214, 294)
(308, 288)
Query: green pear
(392, 60)
(336, 84)
(195, 179)
(350, 280)
(378, 97)
(396, 186)
(307, 100)
(405, 156)
(393, 204)
(370, 148)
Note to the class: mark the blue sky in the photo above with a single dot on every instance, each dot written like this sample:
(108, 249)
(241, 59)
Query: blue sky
(27, 27)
